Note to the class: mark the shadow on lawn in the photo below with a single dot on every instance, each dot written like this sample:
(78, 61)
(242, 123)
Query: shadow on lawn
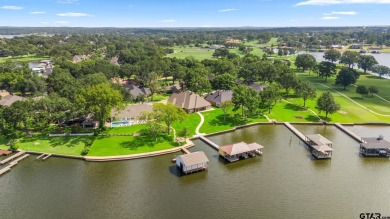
(145, 140)
(231, 121)
(290, 106)
(59, 141)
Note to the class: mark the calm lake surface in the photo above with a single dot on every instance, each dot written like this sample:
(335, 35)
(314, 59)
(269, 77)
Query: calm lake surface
(383, 58)
(284, 183)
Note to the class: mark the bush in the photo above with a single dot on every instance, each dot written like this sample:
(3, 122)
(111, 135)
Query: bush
(85, 151)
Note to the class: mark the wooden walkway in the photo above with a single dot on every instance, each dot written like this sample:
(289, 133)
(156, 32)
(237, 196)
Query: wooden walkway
(209, 142)
(185, 151)
(295, 131)
(12, 157)
(349, 132)
(12, 164)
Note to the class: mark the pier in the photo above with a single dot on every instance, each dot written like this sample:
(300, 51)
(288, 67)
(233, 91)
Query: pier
(209, 142)
(349, 132)
(12, 157)
(295, 131)
(13, 163)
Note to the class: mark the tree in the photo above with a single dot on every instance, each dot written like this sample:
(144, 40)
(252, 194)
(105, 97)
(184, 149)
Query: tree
(326, 69)
(362, 90)
(366, 62)
(381, 70)
(288, 80)
(373, 90)
(349, 58)
(99, 100)
(224, 82)
(225, 106)
(184, 132)
(305, 61)
(168, 113)
(270, 96)
(306, 91)
(327, 104)
(332, 55)
(346, 77)
(246, 98)
(222, 52)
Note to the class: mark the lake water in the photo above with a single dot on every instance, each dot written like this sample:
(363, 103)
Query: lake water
(284, 183)
(383, 58)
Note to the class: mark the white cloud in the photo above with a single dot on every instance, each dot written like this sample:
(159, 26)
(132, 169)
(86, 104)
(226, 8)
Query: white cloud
(62, 22)
(72, 14)
(38, 12)
(11, 7)
(329, 18)
(345, 12)
(339, 2)
(228, 9)
(168, 21)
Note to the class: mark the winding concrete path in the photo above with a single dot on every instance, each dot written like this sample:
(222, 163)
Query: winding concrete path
(200, 124)
(355, 101)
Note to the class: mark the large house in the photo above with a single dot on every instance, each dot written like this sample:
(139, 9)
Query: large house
(219, 96)
(129, 115)
(189, 101)
(8, 99)
(80, 58)
(136, 91)
(258, 87)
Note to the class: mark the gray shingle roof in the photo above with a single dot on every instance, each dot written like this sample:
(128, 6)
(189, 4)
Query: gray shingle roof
(8, 100)
(188, 100)
(375, 143)
(194, 158)
(132, 111)
(220, 96)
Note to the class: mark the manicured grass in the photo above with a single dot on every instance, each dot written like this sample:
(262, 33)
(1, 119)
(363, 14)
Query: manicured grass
(350, 112)
(191, 123)
(214, 120)
(23, 58)
(124, 145)
(158, 97)
(290, 112)
(125, 130)
(196, 52)
(58, 145)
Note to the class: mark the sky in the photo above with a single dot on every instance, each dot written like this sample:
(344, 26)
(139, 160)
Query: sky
(193, 13)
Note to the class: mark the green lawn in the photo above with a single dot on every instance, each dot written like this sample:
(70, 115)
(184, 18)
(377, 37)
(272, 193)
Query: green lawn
(58, 145)
(350, 112)
(23, 58)
(191, 123)
(124, 145)
(214, 120)
(125, 130)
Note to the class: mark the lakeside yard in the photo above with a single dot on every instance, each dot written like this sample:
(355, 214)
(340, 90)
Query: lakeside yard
(26, 58)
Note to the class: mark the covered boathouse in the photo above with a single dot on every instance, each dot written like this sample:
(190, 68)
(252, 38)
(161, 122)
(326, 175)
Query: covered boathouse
(375, 147)
(321, 148)
(192, 162)
(234, 152)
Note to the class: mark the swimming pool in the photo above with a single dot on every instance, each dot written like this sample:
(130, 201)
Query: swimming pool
(119, 124)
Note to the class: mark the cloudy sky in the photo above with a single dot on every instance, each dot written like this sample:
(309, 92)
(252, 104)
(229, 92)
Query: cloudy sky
(194, 13)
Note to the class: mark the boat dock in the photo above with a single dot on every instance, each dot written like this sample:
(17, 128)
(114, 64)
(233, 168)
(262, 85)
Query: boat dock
(209, 142)
(295, 131)
(349, 132)
(13, 163)
(12, 157)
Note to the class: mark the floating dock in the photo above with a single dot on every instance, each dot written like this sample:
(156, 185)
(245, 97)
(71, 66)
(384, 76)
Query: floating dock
(349, 132)
(209, 142)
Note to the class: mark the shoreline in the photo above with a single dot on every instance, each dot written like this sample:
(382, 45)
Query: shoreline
(189, 142)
